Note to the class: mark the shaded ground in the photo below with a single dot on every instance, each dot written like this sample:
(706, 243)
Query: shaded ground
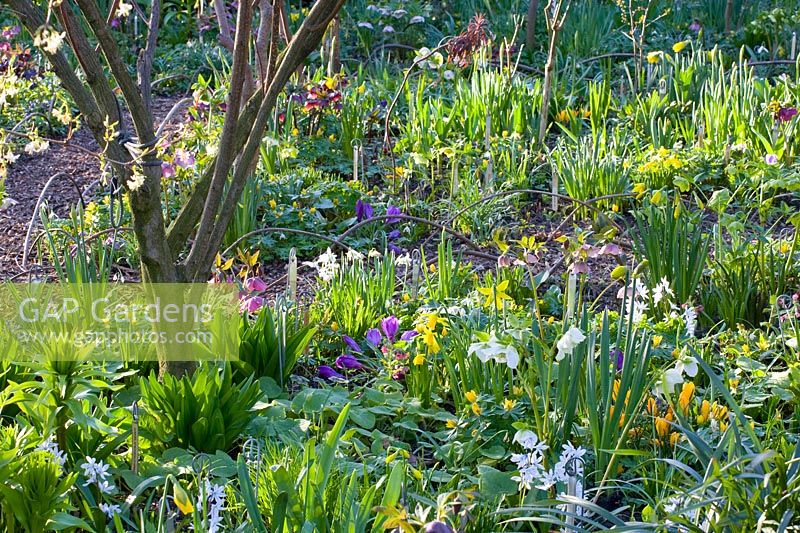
(28, 176)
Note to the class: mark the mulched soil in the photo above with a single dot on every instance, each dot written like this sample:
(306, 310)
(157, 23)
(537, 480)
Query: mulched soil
(28, 176)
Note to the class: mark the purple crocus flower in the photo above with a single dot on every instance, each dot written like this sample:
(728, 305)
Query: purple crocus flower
(363, 210)
(785, 114)
(771, 159)
(695, 26)
(255, 284)
(373, 337)
(348, 362)
(393, 235)
(326, 372)
(620, 358)
(351, 343)
(389, 326)
(394, 249)
(393, 210)
(408, 335)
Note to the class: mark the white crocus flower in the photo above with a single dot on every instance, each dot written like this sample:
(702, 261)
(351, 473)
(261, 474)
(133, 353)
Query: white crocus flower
(566, 344)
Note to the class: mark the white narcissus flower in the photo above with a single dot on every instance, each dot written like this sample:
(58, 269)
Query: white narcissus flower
(124, 10)
(496, 350)
(566, 344)
(674, 376)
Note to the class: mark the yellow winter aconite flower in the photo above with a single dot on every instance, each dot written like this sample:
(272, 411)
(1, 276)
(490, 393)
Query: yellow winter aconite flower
(471, 396)
(496, 295)
(679, 46)
(335, 326)
(673, 438)
(657, 339)
(509, 404)
(476, 409)
(451, 424)
(273, 204)
(686, 395)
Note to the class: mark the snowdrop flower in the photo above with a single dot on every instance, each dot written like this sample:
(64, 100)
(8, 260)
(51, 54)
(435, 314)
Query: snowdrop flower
(449, 75)
(566, 344)
(326, 265)
(372, 7)
(367, 25)
(791, 342)
(110, 509)
(374, 254)
(388, 29)
(399, 13)
(403, 260)
(418, 19)
(354, 255)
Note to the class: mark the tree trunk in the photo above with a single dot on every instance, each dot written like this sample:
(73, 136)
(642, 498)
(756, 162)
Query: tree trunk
(530, 24)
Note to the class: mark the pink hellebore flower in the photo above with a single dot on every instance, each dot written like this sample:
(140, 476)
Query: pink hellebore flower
(184, 158)
(255, 284)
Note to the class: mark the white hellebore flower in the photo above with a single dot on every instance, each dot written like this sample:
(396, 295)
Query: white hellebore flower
(48, 39)
(36, 146)
(566, 344)
(137, 180)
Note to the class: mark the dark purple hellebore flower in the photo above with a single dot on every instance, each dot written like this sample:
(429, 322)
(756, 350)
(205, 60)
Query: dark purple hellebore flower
(326, 372)
(785, 114)
(363, 210)
(348, 362)
(351, 343)
(393, 210)
(373, 337)
(389, 326)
